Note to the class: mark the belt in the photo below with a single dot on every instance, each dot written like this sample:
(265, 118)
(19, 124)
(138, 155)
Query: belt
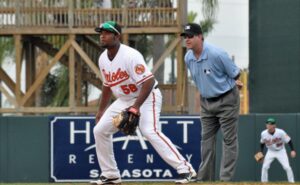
(220, 96)
(155, 87)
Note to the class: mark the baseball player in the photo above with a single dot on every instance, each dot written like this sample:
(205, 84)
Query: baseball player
(126, 76)
(275, 139)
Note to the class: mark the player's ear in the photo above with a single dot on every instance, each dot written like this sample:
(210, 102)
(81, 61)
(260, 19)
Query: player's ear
(118, 36)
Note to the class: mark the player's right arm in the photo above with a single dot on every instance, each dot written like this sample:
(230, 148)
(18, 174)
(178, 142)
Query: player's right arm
(104, 100)
(262, 142)
(262, 146)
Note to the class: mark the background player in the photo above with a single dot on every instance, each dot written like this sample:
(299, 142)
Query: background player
(126, 76)
(275, 139)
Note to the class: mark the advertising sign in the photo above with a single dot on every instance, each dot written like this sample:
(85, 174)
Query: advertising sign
(74, 159)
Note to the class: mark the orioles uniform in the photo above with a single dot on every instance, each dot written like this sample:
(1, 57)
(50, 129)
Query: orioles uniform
(125, 75)
(276, 150)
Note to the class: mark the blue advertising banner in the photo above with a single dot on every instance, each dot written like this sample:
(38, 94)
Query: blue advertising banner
(74, 159)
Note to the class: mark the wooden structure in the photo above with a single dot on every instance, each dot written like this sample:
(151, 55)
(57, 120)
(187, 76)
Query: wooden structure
(36, 23)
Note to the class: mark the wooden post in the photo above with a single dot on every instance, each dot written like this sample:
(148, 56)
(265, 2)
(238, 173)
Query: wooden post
(125, 14)
(70, 13)
(180, 89)
(18, 48)
(125, 38)
(30, 67)
(182, 12)
(18, 17)
(72, 73)
(181, 86)
(41, 63)
(245, 94)
(78, 80)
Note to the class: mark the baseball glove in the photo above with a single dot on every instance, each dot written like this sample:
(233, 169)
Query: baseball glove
(259, 157)
(127, 120)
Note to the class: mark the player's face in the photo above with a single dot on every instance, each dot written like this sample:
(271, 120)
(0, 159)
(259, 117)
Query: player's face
(271, 128)
(192, 41)
(108, 39)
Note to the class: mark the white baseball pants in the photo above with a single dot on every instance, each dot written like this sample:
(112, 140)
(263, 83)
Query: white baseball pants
(150, 112)
(282, 157)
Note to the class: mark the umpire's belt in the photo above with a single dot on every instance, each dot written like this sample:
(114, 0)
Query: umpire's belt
(219, 97)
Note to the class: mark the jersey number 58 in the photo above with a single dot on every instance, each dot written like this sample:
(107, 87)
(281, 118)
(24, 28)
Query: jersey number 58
(129, 88)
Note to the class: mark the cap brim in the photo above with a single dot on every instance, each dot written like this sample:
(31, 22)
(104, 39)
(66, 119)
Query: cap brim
(270, 123)
(98, 29)
(187, 33)
(103, 29)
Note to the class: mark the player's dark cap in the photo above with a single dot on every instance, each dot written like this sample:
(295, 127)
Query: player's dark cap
(110, 26)
(191, 29)
(271, 121)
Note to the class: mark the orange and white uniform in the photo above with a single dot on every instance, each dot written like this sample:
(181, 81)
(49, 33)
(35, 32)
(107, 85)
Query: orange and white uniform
(276, 150)
(125, 75)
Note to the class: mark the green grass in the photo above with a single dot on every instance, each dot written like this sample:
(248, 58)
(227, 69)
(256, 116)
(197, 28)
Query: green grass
(162, 183)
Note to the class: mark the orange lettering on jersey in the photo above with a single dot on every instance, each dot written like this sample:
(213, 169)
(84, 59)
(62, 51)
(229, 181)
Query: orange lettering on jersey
(272, 141)
(115, 76)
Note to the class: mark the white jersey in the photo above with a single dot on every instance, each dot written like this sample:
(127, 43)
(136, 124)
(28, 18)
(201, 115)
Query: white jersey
(125, 73)
(275, 141)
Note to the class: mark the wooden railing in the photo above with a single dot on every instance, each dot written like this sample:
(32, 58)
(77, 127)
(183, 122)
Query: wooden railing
(87, 13)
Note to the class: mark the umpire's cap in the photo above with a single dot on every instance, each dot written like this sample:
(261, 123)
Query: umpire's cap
(271, 121)
(110, 26)
(191, 29)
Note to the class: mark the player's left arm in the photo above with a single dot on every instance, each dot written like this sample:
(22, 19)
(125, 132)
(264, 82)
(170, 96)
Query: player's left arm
(293, 152)
(146, 89)
(287, 139)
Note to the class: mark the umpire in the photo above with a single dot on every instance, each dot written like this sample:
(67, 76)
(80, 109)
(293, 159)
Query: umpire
(216, 77)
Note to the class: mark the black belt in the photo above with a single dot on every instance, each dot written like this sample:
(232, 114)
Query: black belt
(220, 96)
(155, 87)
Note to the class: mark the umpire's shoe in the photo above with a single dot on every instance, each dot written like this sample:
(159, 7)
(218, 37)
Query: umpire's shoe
(185, 178)
(104, 180)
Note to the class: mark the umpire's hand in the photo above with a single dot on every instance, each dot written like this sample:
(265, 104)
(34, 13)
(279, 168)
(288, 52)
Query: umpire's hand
(239, 84)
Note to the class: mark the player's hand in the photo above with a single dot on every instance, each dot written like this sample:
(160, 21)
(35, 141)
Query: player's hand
(239, 84)
(293, 154)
